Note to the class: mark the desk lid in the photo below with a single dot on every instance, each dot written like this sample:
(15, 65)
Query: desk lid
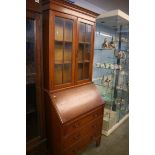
(73, 102)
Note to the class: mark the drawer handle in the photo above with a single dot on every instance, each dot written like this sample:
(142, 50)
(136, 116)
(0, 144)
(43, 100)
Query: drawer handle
(76, 137)
(94, 126)
(96, 115)
(76, 125)
(54, 96)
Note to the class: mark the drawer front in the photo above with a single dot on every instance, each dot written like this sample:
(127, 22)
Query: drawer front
(70, 128)
(81, 144)
(92, 129)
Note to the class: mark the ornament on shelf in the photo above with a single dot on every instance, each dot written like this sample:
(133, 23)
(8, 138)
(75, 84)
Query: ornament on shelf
(105, 43)
(121, 55)
(112, 44)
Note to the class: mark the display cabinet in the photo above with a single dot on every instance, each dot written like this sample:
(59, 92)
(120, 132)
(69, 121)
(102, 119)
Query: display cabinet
(111, 67)
(68, 44)
(35, 123)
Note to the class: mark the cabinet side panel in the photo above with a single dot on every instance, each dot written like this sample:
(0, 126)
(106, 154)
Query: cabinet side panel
(46, 49)
(53, 128)
(92, 50)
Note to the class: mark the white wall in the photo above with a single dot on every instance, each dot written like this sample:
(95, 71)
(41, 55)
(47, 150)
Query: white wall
(89, 6)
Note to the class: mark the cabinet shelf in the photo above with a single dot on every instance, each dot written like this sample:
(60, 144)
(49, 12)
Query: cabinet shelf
(100, 49)
(81, 42)
(67, 41)
(61, 63)
(85, 61)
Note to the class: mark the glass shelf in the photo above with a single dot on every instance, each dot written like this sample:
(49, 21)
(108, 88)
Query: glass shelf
(84, 61)
(107, 65)
(60, 62)
(80, 42)
(104, 49)
(67, 41)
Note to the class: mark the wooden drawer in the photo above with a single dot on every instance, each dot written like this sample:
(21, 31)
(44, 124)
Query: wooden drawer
(72, 127)
(91, 129)
(81, 144)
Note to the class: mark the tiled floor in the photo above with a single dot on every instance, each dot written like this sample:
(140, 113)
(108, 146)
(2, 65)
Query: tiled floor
(115, 144)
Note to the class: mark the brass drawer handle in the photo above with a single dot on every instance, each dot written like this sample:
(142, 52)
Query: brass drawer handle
(54, 96)
(94, 126)
(96, 115)
(76, 137)
(76, 125)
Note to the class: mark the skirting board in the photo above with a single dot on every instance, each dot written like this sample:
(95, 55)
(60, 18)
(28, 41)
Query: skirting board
(107, 133)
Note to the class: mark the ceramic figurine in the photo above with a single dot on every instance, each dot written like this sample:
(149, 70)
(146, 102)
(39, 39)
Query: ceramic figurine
(105, 44)
(112, 44)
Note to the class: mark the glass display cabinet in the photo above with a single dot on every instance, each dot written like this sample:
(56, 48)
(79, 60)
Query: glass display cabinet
(111, 67)
(69, 43)
(35, 121)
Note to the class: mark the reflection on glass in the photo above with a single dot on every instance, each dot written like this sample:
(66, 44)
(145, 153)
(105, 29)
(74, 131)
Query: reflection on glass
(31, 107)
(88, 33)
(82, 32)
(30, 51)
(58, 74)
(31, 126)
(63, 50)
(68, 30)
(67, 52)
(86, 71)
(87, 52)
(80, 52)
(58, 52)
(59, 23)
(67, 73)
(80, 71)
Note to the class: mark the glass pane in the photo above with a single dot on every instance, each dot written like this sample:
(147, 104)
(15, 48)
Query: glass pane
(88, 33)
(87, 52)
(58, 52)
(80, 52)
(31, 105)
(59, 24)
(67, 73)
(68, 30)
(80, 71)
(86, 70)
(31, 112)
(82, 32)
(31, 126)
(68, 52)
(30, 53)
(58, 74)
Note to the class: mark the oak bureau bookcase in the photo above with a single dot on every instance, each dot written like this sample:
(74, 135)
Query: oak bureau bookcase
(74, 108)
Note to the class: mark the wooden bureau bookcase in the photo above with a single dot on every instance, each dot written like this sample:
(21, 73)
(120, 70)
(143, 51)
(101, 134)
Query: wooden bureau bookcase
(74, 108)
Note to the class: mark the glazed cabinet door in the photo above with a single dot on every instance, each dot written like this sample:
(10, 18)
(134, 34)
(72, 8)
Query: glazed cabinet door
(63, 50)
(84, 52)
(33, 78)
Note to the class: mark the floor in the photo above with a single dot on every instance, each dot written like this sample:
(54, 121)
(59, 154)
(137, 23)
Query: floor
(115, 144)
